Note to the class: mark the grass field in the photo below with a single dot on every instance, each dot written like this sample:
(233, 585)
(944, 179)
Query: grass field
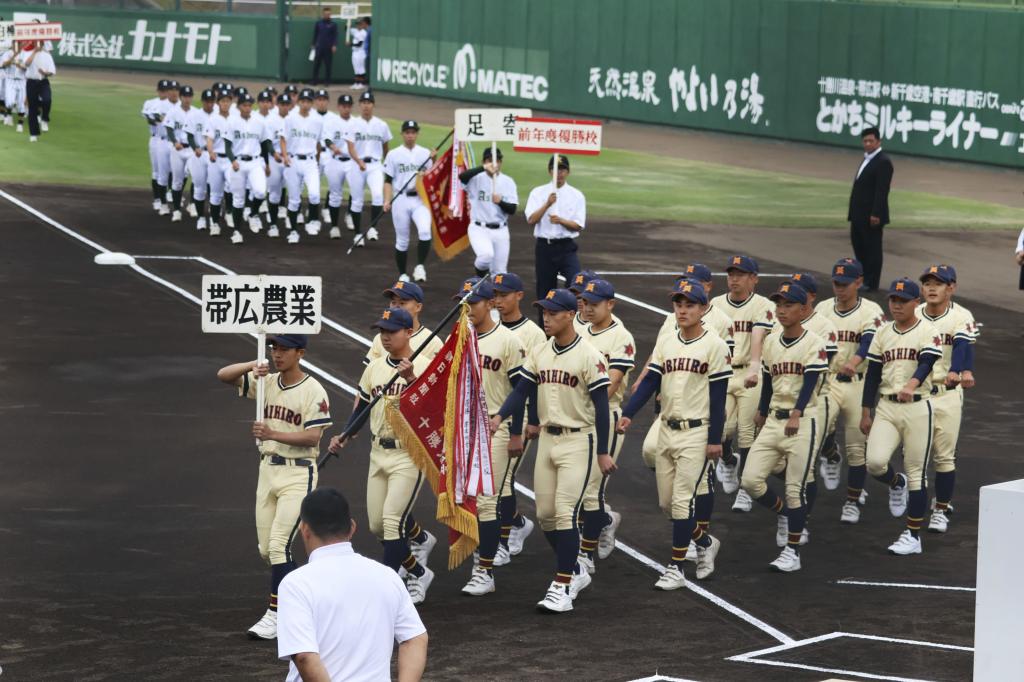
(99, 138)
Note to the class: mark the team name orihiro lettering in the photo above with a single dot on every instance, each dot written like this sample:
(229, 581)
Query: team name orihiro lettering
(396, 389)
(847, 336)
(557, 376)
(899, 354)
(685, 365)
(787, 368)
(282, 413)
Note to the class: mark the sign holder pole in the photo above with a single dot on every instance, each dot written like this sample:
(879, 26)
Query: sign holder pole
(494, 162)
(261, 359)
(554, 180)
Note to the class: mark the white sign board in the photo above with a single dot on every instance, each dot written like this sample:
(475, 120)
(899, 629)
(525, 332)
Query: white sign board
(349, 10)
(10, 30)
(557, 136)
(487, 125)
(261, 304)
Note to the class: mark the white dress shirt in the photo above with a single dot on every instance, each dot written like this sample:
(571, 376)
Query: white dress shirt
(867, 160)
(571, 205)
(1020, 241)
(42, 62)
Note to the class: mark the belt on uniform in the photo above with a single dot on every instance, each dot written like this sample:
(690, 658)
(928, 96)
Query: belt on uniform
(740, 366)
(893, 398)
(684, 424)
(304, 157)
(412, 193)
(369, 159)
(560, 240)
(386, 443)
(489, 226)
(344, 158)
(939, 389)
(278, 460)
(843, 379)
(246, 158)
(780, 414)
(559, 430)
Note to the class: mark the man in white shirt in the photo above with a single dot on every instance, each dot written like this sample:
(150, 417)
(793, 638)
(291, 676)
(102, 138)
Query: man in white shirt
(340, 614)
(39, 67)
(558, 215)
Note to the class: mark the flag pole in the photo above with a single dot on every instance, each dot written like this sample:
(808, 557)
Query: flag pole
(322, 462)
(373, 223)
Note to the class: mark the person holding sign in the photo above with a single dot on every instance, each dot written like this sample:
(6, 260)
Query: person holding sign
(296, 412)
(493, 198)
(558, 215)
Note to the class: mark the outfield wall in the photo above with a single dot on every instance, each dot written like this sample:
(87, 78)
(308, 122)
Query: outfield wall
(942, 82)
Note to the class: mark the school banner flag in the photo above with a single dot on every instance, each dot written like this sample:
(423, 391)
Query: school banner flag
(435, 187)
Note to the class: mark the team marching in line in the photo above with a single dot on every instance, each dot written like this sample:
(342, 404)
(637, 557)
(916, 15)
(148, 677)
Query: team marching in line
(744, 387)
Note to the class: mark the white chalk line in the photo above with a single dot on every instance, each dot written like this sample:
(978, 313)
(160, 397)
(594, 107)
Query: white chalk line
(909, 586)
(676, 273)
(661, 678)
(639, 556)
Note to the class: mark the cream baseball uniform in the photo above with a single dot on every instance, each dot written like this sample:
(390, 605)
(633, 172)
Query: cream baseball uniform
(401, 165)
(826, 330)
(527, 332)
(501, 357)
(418, 338)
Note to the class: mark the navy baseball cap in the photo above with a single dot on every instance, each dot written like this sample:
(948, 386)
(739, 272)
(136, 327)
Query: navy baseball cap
(217, 86)
(410, 125)
(209, 96)
(598, 290)
(558, 301)
(944, 273)
(691, 290)
(265, 96)
(306, 93)
(580, 279)
(697, 271)
(904, 288)
(241, 90)
(270, 89)
(322, 94)
(406, 290)
(790, 291)
(284, 98)
(394, 319)
(291, 88)
(289, 340)
(173, 84)
(507, 283)
(367, 97)
(484, 292)
(743, 264)
(345, 99)
(186, 91)
(163, 84)
(805, 280)
(228, 86)
(847, 270)
(225, 93)
(245, 99)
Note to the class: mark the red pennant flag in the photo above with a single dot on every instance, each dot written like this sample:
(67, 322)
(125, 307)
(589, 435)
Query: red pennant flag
(450, 233)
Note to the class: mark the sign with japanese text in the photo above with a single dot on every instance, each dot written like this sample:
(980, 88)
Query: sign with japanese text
(487, 125)
(10, 30)
(557, 136)
(349, 10)
(253, 304)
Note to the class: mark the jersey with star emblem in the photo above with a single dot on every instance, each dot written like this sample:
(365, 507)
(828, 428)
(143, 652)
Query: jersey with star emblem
(290, 409)
(501, 357)
(565, 377)
(956, 322)
(787, 361)
(616, 344)
(756, 311)
(528, 332)
(899, 353)
(865, 317)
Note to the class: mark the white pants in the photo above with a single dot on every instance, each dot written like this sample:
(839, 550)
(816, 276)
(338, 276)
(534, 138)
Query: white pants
(216, 175)
(490, 246)
(180, 164)
(357, 180)
(163, 162)
(14, 95)
(337, 171)
(252, 173)
(154, 165)
(197, 167)
(302, 172)
(275, 183)
(406, 209)
(359, 62)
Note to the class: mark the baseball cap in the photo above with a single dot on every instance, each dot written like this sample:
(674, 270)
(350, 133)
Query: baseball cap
(394, 319)
(291, 89)
(944, 273)
(487, 154)
(558, 301)
(225, 93)
(305, 93)
(904, 288)
(227, 86)
(805, 280)
(163, 84)
(484, 292)
(284, 98)
(270, 89)
(265, 96)
(790, 291)
(507, 283)
(345, 99)
(597, 290)
(410, 125)
(209, 96)
(691, 290)
(241, 90)
(173, 84)
(563, 162)
(367, 97)
(580, 279)
(406, 290)
(289, 340)
(847, 270)
(245, 99)
(217, 86)
(697, 271)
(186, 91)
(322, 93)
(743, 264)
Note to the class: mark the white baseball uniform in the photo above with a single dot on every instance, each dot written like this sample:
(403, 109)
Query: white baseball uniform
(488, 227)
(369, 138)
(151, 109)
(218, 129)
(358, 38)
(196, 121)
(301, 134)
(401, 165)
(247, 138)
(337, 166)
(275, 181)
(177, 121)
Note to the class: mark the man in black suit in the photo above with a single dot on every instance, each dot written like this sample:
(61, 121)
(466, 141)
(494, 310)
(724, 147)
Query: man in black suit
(869, 206)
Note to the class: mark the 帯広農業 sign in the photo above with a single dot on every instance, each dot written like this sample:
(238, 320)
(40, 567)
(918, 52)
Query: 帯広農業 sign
(261, 304)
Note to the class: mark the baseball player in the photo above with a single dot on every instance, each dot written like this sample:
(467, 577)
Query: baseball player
(296, 413)
(249, 152)
(370, 137)
(322, 106)
(568, 379)
(196, 121)
(176, 124)
(501, 356)
(691, 370)
(576, 285)
(165, 145)
(793, 362)
(338, 163)
(409, 296)
(508, 295)
(856, 319)
(950, 375)
(752, 318)
(356, 39)
(401, 166)
(611, 339)
(302, 132)
(393, 481)
(901, 359)
(218, 131)
(270, 107)
(153, 111)
(14, 84)
(492, 202)
(9, 103)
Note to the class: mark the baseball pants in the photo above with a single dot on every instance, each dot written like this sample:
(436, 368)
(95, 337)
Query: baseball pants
(947, 408)
(275, 183)
(372, 177)
(774, 450)
(392, 485)
(560, 476)
(163, 162)
(740, 406)
(217, 176)
(337, 171)
(504, 468)
(302, 172)
(845, 406)
(598, 484)
(359, 62)
(14, 95)
(406, 209)
(180, 165)
(491, 246)
(197, 170)
(279, 493)
(154, 163)
(824, 415)
(911, 424)
(252, 174)
(681, 468)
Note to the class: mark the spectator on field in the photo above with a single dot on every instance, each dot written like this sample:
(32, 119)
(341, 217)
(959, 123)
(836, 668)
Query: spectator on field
(340, 615)
(868, 212)
(325, 44)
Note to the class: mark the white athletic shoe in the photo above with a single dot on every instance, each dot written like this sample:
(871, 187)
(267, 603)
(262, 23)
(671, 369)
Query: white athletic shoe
(229, 218)
(742, 503)
(419, 273)
(830, 473)
(850, 513)
(579, 582)
(214, 229)
(282, 211)
(265, 627)
(236, 237)
(404, 278)
(557, 599)
(606, 542)
(246, 212)
(335, 233)
(863, 498)
(372, 235)
(939, 522)
(20, 128)
(192, 211)
(359, 243)
(898, 498)
(201, 223)
(164, 210)
(348, 221)
(255, 224)
(517, 538)
(418, 585)
(905, 544)
(33, 138)
(502, 557)
(325, 215)
(313, 228)
(691, 551)
(781, 530)
(671, 579)
(273, 231)
(176, 217)
(302, 218)
(293, 236)
(586, 564)
(787, 562)
(157, 204)
(706, 558)
(44, 126)
(481, 582)
(728, 476)
(422, 550)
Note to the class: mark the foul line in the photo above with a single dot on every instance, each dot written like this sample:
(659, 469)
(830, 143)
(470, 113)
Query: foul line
(636, 554)
(676, 273)
(913, 586)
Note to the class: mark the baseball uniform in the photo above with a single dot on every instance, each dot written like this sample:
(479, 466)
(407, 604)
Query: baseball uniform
(419, 337)
(488, 227)
(369, 137)
(301, 135)
(400, 168)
